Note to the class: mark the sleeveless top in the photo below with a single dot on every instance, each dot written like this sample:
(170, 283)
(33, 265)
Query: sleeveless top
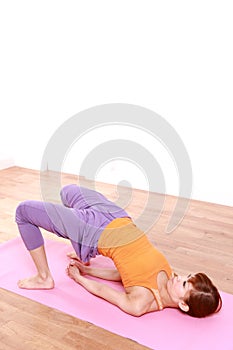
(134, 256)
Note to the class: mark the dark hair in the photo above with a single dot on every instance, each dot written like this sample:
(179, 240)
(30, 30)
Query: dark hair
(204, 299)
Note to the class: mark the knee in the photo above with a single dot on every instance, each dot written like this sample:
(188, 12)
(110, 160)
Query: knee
(65, 192)
(19, 213)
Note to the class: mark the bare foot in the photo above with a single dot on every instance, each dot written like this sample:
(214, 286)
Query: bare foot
(74, 256)
(36, 282)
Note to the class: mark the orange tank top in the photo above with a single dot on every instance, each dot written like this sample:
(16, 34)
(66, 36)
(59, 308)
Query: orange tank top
(134, 256)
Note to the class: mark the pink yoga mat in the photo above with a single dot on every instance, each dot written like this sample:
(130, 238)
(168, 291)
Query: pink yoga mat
(162, 330)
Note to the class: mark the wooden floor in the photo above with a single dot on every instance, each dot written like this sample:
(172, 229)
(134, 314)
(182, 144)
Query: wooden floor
(202, 242)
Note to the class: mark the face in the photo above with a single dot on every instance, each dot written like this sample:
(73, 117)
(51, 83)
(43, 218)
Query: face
(177, 288)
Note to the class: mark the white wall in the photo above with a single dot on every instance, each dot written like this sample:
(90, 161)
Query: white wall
(173, 57)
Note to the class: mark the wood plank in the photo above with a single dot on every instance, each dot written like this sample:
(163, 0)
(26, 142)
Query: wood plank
(202, 242)
(28, 325)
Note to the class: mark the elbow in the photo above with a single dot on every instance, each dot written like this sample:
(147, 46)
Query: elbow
(137, 312)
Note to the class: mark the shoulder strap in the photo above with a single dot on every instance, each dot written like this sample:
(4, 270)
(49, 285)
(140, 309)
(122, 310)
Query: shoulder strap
(157, 298)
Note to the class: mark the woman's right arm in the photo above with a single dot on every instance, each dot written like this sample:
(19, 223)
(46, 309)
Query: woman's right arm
(106, 274)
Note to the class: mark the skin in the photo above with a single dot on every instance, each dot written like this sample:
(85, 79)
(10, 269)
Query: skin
(43, 279)
(134, 300)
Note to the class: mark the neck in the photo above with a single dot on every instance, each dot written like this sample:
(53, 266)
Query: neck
(165, 296)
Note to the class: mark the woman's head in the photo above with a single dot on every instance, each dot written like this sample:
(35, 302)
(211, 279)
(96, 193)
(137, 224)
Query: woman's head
(195, 294)
(203, 298)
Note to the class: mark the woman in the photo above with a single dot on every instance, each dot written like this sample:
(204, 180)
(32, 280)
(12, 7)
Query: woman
(95, 226)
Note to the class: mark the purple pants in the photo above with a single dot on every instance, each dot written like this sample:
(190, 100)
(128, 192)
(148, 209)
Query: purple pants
(82, 218)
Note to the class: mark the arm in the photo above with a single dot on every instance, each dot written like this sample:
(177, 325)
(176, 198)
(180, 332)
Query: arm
(106, 274)
(125, 301)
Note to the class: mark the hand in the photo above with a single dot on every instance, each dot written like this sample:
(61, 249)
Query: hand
(73, 271)
(83, 269)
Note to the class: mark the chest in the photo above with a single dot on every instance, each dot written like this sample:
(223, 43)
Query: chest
(150, 298)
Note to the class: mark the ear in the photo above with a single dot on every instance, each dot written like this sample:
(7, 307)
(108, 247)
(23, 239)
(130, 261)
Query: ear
(183, 306)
